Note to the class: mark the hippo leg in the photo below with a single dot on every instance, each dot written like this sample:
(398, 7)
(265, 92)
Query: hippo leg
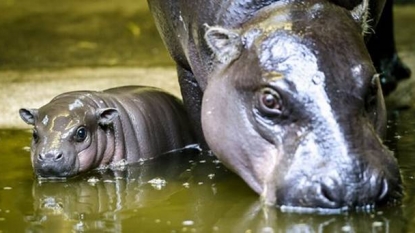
(192, 99)
(382, 49)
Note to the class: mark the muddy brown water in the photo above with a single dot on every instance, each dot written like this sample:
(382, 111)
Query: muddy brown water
(187, 191)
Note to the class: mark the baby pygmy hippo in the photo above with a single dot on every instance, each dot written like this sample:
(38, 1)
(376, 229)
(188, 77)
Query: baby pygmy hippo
(82, 130)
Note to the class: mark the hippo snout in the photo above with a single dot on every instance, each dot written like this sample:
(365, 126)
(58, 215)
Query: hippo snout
(341, 188)
(53, 164)
(336, 194)
(50, 157)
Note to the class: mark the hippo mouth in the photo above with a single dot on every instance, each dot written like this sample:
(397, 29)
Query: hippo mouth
(51, 178)
(52, 172)
(54, 169)
(327, 195)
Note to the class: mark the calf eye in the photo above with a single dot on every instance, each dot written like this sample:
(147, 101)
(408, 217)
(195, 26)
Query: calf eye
(269, 102)
(80, 134)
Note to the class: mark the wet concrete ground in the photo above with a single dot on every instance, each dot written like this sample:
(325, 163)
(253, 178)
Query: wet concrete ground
(49, 47)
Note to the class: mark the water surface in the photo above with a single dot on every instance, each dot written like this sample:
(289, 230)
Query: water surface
(187, 191)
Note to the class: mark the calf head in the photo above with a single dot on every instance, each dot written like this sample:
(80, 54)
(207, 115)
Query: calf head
(69, 137)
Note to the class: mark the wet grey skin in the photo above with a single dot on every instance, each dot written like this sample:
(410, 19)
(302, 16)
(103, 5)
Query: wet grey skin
(287, 96)
(82, 130)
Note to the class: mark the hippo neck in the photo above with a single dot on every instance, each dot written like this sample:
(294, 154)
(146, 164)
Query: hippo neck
(236, 13)
(251, 11)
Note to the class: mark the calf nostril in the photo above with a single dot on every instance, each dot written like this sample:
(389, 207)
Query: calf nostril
(40, 157)
(58, 157)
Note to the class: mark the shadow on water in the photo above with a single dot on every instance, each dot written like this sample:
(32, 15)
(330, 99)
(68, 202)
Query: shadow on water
(186, 191)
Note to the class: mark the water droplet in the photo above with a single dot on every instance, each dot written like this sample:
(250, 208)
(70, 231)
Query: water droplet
(346, 228)
(216, 161)
(93, 180)
(377, 224)
(267, 230)
(187, 223)
(317, 79)
(157, 183)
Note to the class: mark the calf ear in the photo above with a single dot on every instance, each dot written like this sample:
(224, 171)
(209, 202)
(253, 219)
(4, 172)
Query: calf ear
(106, 116)
(28, 115)
(361, 14)
(225, 44)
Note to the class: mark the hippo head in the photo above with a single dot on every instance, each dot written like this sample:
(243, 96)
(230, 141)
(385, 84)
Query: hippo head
(294, 106)
(65, 137)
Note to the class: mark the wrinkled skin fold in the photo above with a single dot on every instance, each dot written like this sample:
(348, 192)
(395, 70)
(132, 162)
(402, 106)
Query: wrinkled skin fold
(289, 97)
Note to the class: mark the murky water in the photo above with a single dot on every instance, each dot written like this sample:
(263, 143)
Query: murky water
(183, 192)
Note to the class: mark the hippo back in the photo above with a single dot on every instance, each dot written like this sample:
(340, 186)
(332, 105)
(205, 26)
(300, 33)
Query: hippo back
(183, 24)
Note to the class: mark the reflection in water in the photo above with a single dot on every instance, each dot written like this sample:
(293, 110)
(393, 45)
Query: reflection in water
(188, 192)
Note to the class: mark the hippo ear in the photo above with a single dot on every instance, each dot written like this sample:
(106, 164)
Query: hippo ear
(224, 43)
(361, 14)
(28, 115)
(106, 116)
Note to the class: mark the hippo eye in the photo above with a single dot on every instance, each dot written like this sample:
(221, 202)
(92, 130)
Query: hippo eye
(270, 102)
(80, 134)
(35, 136)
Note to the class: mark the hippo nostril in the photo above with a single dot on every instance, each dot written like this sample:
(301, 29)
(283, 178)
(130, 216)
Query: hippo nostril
(329, 193)
(383, 190)
(49, 157)
(58, 157)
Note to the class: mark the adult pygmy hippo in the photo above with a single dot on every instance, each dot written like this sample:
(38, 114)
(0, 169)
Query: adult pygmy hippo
(82, 130)
(287, 95)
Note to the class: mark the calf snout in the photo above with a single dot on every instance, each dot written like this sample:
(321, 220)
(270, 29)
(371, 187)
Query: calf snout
(53, 164)
(53, 156)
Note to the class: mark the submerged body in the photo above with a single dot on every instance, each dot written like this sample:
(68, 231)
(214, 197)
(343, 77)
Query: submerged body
(287, 96)
(82, 130)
